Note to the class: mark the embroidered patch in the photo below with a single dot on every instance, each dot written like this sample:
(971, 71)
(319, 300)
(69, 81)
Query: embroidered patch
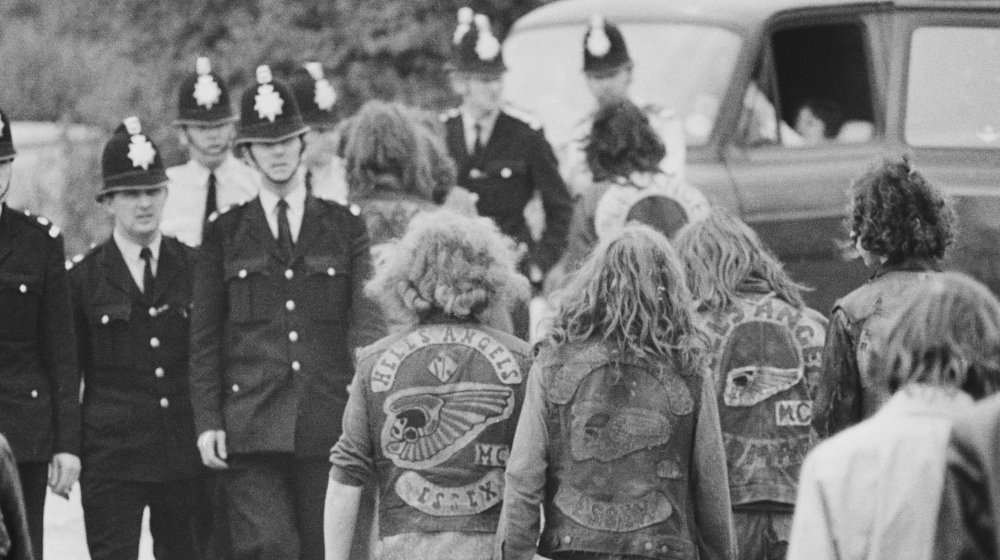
(756, 453)
(668, 468)
(793, 413)
(504, 363)
(490, 455)
(425, 426)
(616, 204)
(445, 501)
(621, 515)
(754, 370)
(606, 432)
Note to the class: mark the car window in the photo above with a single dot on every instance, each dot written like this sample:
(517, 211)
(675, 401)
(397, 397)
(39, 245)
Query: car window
(682, 67)
(952, 92)
(820, 74)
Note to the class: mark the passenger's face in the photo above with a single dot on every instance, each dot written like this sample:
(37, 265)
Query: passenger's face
(481, 93)
(809, 126)
(137, 213)
(277, 161)
(609, 88)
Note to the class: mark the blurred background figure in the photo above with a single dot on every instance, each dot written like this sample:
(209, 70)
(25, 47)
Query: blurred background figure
(317, 99)
(433, 409)
(608, 67)
(623, 154)
(619, 386)
(213, 179)
(873, 490)
(819, 120)
(902, 225)
(15, 541)
(764, 352)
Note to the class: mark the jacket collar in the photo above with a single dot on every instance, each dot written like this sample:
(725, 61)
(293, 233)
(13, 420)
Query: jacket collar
(908, 265)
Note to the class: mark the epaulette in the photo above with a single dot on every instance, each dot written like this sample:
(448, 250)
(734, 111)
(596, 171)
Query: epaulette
(75, 260)
(45, 223)
(445, 116)
(215, 215)
(527, 117)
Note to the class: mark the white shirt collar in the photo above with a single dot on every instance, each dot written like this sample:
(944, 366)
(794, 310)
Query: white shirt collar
(130, 250)
(296, 209)
(486, 128)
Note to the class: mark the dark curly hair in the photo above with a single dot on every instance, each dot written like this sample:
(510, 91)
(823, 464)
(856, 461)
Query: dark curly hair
(898, 214)
(622, 142)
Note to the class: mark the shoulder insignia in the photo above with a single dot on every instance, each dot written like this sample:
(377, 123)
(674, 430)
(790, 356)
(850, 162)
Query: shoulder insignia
(215, 215)
(71, 262)
(445, 116)
(524, 116)
(355, 209)
(54, 231)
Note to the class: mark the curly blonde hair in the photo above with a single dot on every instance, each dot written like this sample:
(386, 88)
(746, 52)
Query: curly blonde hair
(947, 332)
(631, 294)
(721, 253)
(457, 264)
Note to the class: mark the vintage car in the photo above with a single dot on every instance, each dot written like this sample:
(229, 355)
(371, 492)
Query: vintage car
(920, 77)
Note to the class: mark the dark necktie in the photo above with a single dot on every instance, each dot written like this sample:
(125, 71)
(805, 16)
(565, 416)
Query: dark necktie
(477, 146)
(147, 274)
(284, 230)
(309, 181)
(210, 203)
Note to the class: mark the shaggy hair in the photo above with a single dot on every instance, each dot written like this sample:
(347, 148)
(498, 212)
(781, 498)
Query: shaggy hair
(947, 333)
(721, 254)
(622, 142)
(457, 264)
(897, 214)
(384, 151)
(631, 294)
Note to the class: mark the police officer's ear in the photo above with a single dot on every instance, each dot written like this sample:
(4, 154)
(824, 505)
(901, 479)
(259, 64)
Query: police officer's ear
(182, 136)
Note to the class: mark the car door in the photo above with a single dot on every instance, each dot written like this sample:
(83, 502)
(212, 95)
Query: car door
(792, 183)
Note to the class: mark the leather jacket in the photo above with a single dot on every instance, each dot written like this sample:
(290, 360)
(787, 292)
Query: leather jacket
(765, 354)
(853, 386)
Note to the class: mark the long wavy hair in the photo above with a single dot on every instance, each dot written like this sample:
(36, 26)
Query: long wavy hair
(459, 265)
(722, 254)
(384, 152)
(896, 213)
(622, 142)
(946, 333)
(631, 294)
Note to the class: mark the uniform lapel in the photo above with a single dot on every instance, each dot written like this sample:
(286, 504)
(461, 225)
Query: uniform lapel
(312, 227)
(493, 145)
(7, 233)
(117, 271)
(167, 270)
(261, 231)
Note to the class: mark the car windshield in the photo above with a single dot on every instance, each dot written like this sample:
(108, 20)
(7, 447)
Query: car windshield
(949, 104)
(683, 67)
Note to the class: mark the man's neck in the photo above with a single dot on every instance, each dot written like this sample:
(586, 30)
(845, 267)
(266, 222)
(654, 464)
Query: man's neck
(210, 162)
(481, 115)
(280, 190)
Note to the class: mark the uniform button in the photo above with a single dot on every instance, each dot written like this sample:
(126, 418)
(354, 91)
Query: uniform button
(154, 342)
(289, 274)
(242, 273)
(506, 173)
(649, 546)
(164, 403)
(290, 305)
(153, 312)
(105, 319)
(296, 366)
(331, 271)
(236, 388)
(159, 373)
(34, 394)
(567, 539)
(23, 288)
(293, 336)
(664, 549)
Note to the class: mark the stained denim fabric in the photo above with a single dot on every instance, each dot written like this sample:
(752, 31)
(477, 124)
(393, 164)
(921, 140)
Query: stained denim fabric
(853, 384)
(431, 417)
(625, 457)
(765, 354)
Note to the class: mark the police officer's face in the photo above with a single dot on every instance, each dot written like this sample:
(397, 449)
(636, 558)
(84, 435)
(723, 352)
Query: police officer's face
(277, 161)
(481, 93)
(608, 88)
(6, 170)
(137, 213)
(208, 140)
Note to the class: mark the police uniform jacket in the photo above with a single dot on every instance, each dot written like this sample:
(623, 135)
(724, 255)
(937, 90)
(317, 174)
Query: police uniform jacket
(516, 162)
(272, 337)
(133, 351)
(184, 211)
(39, 380)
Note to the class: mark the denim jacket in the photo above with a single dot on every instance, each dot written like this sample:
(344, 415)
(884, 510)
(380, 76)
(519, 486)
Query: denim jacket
(853, 387)
(625, 456)
(765, 354)
(430, 419)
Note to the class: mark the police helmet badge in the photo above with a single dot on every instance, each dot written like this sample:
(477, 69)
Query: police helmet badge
(268, 111)
(604, 48)
(131, 160)
(140, 150)
(203, 99)
(268, 103)
(206, 90)
(324, 95)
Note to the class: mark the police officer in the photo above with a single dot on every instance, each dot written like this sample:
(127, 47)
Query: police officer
(324, 170)
(608, 69)
(279, 306)
(131, 300)
(39, 380)
(500, 157)
(213, 178)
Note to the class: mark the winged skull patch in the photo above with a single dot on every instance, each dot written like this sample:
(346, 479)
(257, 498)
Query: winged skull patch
(754, 370)
(425, 426)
